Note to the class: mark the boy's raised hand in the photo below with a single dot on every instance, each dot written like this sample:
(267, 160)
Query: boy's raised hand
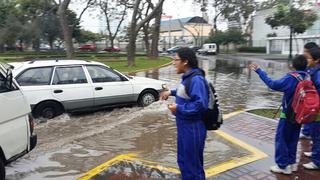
(254, 67)
(165, 95)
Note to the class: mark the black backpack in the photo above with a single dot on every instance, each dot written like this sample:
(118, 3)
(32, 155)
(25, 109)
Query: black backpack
(212, 118)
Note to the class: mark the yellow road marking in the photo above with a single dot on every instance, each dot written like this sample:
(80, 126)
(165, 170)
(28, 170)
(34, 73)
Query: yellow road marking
(225, 166)
(211, 171)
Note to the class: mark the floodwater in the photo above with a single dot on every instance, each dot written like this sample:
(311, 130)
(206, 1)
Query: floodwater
(70, 145)
(237, 87)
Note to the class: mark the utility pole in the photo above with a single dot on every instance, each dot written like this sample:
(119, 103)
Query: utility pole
(291, 32)
(203, 10)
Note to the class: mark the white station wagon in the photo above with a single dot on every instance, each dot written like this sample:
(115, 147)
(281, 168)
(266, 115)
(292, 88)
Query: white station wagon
(55, 86)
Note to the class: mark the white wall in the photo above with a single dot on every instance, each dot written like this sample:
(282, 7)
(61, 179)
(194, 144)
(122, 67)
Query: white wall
(261, 29)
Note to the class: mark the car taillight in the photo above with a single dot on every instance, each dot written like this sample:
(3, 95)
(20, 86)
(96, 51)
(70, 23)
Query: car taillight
(31, 123)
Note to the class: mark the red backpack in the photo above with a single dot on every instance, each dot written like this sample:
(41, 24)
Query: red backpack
(305, 103)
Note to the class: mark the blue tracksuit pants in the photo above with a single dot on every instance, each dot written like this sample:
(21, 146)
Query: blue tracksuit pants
(287, 137)
(191, 141)
(306, 129)
(315, 136)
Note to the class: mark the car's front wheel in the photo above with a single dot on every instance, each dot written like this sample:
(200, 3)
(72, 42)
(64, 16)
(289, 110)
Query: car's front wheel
(147, 97)
(48, 110)
(2, 169)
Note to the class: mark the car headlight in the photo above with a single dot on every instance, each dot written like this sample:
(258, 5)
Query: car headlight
(164, 86)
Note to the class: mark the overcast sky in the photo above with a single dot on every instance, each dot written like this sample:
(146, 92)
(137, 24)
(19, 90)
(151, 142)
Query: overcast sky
(174, 8)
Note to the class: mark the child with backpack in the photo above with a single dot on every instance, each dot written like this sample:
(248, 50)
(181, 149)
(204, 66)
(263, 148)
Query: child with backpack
(305, 133)
(188, 109)
(313, 58)
(287, 134)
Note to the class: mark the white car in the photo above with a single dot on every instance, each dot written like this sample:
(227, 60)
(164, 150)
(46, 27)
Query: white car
(55, 86)
(209, 48)
(16, 123)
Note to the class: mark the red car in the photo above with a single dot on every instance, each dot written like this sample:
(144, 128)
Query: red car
(112, 49)
(88, 47)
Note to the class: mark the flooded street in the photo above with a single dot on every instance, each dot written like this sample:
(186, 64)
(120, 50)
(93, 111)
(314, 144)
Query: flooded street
(70, 145)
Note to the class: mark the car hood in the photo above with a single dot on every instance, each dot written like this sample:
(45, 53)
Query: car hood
(144, 80)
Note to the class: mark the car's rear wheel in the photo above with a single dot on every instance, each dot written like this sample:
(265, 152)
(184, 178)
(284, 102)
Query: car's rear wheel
(48, 109)
(2, 169)
(147, 97)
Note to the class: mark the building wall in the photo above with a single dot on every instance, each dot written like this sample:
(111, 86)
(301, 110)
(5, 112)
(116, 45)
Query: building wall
(183, 36)
(280, 45)
(261, 29)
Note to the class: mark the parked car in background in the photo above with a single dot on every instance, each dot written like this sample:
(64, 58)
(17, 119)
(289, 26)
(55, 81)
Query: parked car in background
(112, 49)
(88, 47)
(16, 123)
(194, 48)
(56, 86)
(44, 47)
(209, 48)
(173, 49)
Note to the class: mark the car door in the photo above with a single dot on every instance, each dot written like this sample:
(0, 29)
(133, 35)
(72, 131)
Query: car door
(13, 122)
(71, 87)
(35, 83)
(109, 86)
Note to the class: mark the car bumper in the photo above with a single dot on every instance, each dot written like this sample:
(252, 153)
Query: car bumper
(33, 141)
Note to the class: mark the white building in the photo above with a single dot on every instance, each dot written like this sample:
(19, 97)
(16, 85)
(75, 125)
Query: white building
(262, 35)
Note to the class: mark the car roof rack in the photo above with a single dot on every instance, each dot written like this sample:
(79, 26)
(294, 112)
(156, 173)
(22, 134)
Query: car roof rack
(48, 59)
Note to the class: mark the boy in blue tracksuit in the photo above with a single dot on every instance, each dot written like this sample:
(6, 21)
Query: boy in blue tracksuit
(314, 128)
(188, 109)
(287, 135)
(305, 133)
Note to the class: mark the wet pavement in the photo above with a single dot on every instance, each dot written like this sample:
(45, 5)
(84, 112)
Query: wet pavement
(260, 132)
(70, 145)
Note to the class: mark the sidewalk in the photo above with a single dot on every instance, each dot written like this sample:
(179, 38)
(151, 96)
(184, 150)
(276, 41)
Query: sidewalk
(260, 56)
(260, 132)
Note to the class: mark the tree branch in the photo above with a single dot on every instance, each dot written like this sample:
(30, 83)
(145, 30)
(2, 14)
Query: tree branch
(150, 16)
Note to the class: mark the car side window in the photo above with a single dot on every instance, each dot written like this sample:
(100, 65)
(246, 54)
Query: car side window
(69, 75)
(35, 77)
(101, 74)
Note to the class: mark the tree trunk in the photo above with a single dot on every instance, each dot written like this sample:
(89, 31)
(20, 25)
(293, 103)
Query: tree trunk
(36, 44)
(215, 27)
(111, 41)
(20, 48)
(135, 27)
(156, 36)
(51, 43)
(146, 40)
(67, 33)
(1, 47)
(131, 49)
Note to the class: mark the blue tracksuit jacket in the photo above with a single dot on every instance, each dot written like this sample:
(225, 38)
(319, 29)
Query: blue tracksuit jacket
(315, 126)
(287, 135)
(191, 129)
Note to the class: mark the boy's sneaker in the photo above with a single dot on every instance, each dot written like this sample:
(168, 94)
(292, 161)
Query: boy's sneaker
(294, 167)
(308, 154)
(276, 169)
(302, 136)
(311, 166)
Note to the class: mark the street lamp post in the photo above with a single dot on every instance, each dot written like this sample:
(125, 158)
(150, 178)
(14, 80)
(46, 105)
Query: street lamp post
(203, 10)
(291, 32)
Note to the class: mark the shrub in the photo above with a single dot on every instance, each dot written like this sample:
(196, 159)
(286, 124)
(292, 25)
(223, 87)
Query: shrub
(252, 49)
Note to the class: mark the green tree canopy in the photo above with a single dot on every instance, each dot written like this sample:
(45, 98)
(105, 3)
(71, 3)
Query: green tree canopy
(296, 19)
(86, 36)
(234, 36)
